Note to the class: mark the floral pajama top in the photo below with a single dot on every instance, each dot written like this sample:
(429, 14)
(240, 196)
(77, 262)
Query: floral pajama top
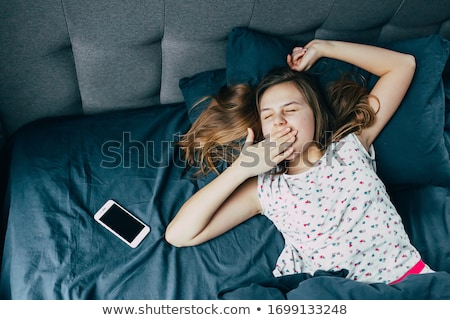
(338, 215)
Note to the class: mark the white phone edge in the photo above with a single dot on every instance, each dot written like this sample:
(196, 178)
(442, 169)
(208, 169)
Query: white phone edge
(138, 239)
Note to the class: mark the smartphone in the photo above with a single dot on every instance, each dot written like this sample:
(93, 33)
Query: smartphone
(122, 223)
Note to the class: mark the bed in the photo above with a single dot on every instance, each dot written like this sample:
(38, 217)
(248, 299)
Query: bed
(95, 95)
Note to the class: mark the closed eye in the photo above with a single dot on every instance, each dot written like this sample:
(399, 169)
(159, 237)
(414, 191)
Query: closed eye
(292, 106)
(266, 116)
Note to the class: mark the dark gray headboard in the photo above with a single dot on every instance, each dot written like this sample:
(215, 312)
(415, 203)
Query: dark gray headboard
(60, 57)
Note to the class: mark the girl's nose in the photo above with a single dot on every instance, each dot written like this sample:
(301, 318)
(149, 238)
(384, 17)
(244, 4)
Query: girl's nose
(279, 120)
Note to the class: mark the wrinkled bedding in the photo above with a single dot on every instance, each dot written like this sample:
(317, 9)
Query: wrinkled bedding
(61, 171)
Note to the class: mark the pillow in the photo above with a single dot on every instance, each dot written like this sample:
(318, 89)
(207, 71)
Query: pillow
(411, 149)
(250, 55)
(199, 86)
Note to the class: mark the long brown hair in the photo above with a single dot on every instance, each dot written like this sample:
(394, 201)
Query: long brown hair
(218, 134)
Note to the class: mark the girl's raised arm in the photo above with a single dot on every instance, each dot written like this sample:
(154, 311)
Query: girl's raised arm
(394, 69)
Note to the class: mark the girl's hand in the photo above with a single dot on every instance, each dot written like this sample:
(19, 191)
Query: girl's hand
(265, 155)
(303, 58)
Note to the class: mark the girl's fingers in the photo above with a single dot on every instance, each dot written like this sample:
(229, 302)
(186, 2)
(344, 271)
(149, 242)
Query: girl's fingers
(278, 133)
(283, 155)
(289, 60)
(294, 59)
(281, 136)
(298, 53)
(280, 146)
(250, 136)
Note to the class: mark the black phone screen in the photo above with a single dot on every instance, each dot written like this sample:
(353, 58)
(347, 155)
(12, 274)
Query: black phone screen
(122, 223)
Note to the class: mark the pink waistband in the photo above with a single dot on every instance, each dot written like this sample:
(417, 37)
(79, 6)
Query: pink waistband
(414, 270)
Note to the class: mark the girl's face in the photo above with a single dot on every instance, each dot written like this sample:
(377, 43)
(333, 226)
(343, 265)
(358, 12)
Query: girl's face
(283, 105)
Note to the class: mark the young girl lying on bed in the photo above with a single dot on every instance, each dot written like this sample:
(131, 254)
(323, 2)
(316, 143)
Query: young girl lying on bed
(325, 196)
